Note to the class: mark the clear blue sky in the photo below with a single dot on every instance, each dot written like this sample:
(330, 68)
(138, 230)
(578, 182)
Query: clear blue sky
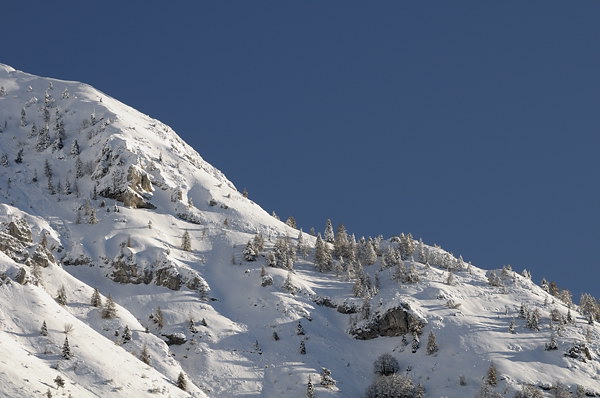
(471, 124)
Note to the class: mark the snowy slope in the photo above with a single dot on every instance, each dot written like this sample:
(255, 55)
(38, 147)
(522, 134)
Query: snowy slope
(107, 195)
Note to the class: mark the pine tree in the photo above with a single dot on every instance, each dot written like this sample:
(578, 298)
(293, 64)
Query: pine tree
(492, 375)
(181, 382)
(145, 355)
(249, 252)
(96, 300)
(323, 259)
(126, 334)
(61, 296)
(159, 318)
(75, 149)
(291, 222)
(59, 382)
(302, 348)
(328, 235)
(288, 284)
(326, 379)
(310, 390)
(44, 329)
(340, 244)
(299, 329)
(432, 346)
(186, 242)
(93, 218)
(66, 350)
(110, 308)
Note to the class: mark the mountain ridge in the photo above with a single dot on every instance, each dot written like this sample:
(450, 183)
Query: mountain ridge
(112, 212)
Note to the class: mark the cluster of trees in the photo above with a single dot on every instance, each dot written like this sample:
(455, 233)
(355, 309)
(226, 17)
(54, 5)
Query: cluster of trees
(389, 383)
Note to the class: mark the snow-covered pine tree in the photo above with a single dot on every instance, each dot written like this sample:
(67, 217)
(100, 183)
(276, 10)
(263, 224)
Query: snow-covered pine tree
(291, 222)
(158, 318)
(432, 346)
(323, 259)
(66, 349)
(249, 252)
(340, 242)
(310, 390)
(326, 378)
(126, 334)
(288, 284)
(110, 308)
(181, 381)
(96, 300)
(186, 241)
(491, 377)
(44, 329)
(328, 235)
(299, 329)
(302, 349)
(75, 149)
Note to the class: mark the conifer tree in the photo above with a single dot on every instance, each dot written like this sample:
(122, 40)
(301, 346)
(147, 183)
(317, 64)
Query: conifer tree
(186, 242)
(302, 348)
(159, 318)
(310, 390)
(288, 284)
(291, 222)
(75, 149)
(59, 382)
(249, 252)
(492, 375)
(340, 243)
(299, 329)
(66, 350)
(432, 346)
(326, 379)
(110, 308)
(126, 334)
(328, 235)
(44, 329)
(322, 256)
(181, 382)
(96, 300)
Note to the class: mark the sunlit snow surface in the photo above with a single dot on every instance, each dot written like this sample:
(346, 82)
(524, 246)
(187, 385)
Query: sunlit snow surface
(223, 358)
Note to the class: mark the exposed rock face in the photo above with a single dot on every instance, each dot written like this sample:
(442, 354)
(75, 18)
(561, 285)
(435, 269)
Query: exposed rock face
(169, 278)
(19, 229)
(21, 276)
(129, 272)
(397, 321)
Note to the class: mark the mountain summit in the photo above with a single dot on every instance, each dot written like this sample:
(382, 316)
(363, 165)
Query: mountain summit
(129, 266)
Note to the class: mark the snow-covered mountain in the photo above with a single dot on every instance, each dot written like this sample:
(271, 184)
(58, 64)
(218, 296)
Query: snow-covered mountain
(96, 195)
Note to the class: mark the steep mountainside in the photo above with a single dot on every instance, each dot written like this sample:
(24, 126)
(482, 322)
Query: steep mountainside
(95, 195)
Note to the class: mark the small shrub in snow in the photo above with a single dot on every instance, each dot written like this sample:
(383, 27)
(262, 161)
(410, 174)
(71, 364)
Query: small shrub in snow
(145, 355)
(61, 296)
